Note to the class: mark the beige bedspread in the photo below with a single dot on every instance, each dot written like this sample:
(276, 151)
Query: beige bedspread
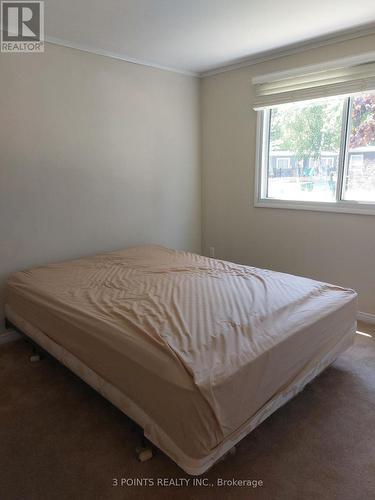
(199, 344)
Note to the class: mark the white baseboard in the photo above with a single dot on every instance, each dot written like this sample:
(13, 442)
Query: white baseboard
(9, 336)
(366, 317)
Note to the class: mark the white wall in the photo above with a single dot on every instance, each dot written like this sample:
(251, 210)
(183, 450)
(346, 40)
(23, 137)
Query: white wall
(332, 247)
(95, 154)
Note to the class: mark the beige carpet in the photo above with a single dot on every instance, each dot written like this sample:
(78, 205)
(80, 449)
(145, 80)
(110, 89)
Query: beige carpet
(61, 440)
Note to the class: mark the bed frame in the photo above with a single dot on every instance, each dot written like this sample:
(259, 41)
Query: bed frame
(144, 452)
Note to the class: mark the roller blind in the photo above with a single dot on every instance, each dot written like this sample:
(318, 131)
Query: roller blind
(339, 81)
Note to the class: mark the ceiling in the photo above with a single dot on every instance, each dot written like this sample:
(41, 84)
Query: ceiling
(197, 35)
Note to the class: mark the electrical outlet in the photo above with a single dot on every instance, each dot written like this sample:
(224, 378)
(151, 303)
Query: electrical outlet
(212, 252)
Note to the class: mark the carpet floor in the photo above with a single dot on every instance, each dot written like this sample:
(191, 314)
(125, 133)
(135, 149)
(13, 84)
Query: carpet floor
(60, 440)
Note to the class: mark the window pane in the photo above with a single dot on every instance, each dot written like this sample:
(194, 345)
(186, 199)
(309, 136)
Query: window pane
(304, 150)
(359, 182)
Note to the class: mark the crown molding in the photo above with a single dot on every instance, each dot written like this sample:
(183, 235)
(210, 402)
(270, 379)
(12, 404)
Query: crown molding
(115, 55)
(265, 56)
(294, 48)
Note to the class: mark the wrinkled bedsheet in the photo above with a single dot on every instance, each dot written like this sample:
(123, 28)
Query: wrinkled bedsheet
(199, 344)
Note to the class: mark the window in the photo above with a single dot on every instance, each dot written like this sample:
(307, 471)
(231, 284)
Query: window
(356, 160)
(327, 163)
(318, 154)
(282, 163)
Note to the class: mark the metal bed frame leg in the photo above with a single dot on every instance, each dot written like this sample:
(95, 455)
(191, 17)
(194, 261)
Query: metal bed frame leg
(145, 450)
(144, 453)
(36, 355)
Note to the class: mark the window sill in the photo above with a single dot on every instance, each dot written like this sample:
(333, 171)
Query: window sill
(346, 207)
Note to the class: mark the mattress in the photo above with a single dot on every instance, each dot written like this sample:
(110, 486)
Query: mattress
(202, 348)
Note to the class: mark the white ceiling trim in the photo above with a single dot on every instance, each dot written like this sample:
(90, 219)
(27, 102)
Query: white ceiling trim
(248, 61)
(114, 55)
(295, 48)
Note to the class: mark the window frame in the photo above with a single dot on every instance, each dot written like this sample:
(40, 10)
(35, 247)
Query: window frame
(261, 172)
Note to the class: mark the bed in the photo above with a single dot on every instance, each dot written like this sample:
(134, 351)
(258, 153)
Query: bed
(197, 351)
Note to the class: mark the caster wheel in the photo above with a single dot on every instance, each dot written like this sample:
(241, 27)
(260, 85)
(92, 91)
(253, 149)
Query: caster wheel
(144, 454)
(35, 358)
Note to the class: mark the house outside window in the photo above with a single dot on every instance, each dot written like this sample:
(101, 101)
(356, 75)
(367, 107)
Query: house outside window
(324, 151)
